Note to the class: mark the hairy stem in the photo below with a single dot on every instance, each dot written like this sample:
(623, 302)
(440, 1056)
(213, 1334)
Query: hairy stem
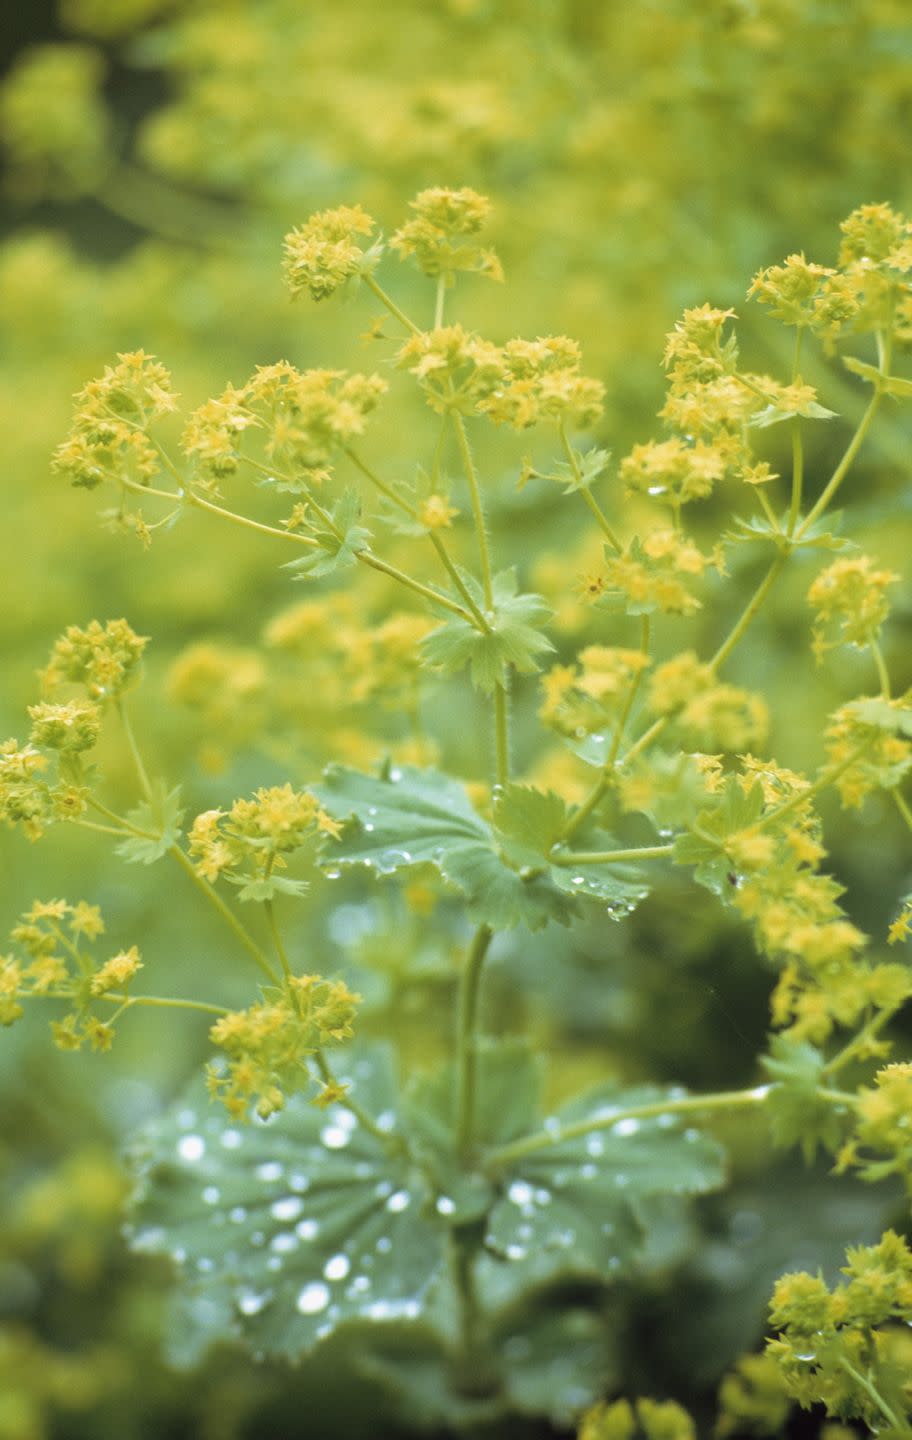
(467, 1041)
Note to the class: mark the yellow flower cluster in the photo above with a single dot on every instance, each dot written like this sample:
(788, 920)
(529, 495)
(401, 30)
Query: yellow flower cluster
(268, 1045)
(303, 416)
(710, 714)
(835, 1346)
(108, 439)
(652, 573)
(51, 934)
(324, 253)
(71, 727)
(54, 124)
(250, 841)
(103, 658)
(581, 698)
(799, 292)
(653, 1419)
(882, 1124)
(850, 595)
(438, 237)
(885, 759)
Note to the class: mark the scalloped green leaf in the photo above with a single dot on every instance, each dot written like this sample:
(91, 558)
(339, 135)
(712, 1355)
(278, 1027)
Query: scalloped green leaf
(890, 384)
(585, 1206)
(283, 1232)
(892, 716)
(737, 809)
(512, 639)
(339, 546)
(413, 817)
(161, 814)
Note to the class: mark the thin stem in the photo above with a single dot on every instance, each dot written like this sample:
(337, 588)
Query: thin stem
(750, 610)
(844, 465)
(388, 1137)
(467, 1040)
(391, 305)
(797, 444)
(367, 557)
(502, 732)
(477, 510)
(685, 1105)
(217, 903)
(381, 485)
(858, 1042)
(477, 615)
(138, 765)
(190, 497)
(874, 1394)
(166, 1002)
(883, 673)
(277, 938)
(801, 797)
(609, 857)
(601, 518)
(631, 697)
(439, 301)
(902, 807)
(124, 826)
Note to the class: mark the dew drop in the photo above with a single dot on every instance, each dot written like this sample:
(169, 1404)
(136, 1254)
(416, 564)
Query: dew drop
(516, 1252)
(595, 1145)
(251, 1302)
(384, 1245)
(626, 1127)
(578, 880)
(307, 1229)
(542, 1196)
(385, 1120)
(212, 1195)
(204, 1265)
(191, 1147)
(231, 1139)
(445, 1206)
(289, 1208)
(269, 1170)
(398, 1201)
(186, 1119)
(298, 1182)
(588, 1171)
(520, 1192)
(334, 1137)
(313, 1298)
(284, 1243)
(337, 1267)
(237, 1214)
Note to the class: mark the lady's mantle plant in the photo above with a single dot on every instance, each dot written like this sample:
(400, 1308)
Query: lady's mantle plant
(316, 1186)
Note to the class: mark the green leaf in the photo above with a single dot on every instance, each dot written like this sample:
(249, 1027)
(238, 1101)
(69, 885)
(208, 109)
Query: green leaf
(585, 1206)
(283, 1232)
(775, 415)
(797, 1114)
(264, 887)
(530, 823)
(161, 815)
(511, 640)
(822, 535)
(738, 809)
(590, 465)
(339, 546)
(420, 817)
(892, 716)
(889, 384)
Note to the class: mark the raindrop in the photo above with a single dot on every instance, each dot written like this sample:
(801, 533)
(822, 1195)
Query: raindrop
(231, 1139)
(334, 1137)
(395, 776)
(186, 1119)
(358, 1285)
(237, 1214)
(269, 1170)
(283, 1243)
(588, 1171)
(212, 1195)
(542, 1197)
(626, 1127)
(191, 1147)
(578, 880)
(251, 1302)
(399, 1200)
(385, 1120)
(332, 874)
(383, 1188)
(551, 1126)
(313, 1298)
(258, 1238)
(520, 1192)
(307, 1229)
(621, 1181)
(445, 1206)
(204, 1265)
(287, 1209)
(337, 1267)
(384, 1245)
(298, 1182)
(516, 1252)
(595, 1145)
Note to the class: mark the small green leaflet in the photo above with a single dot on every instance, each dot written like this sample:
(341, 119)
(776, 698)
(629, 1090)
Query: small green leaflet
(511, 640)
(737, 810)
(585, 1206)
(796, 1112)
(775, 415)
(893, 716)
(590, 465)
(418, 817)
(822, 535)
(889, 384)
(161, 815)
(264, 887)
(285, 1231)
(335, 553)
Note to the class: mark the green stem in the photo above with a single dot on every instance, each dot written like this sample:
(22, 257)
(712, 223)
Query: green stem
(845, 463)
(631, 697)
(874, 1394)
(883, 673)
(124, 826)
(750, 610)
(190, 497)
(801, 797)
(439, 301)
(390, 1138)
(391, 305)
(601, 518)
(166, 1002)
(685, 1105)
(502, 733)
(138, 765)
(367, 557)
(797, 444)
(277, 938)
(471, 475)
(859, 1041)
(609, 857)
(218, 904)
(467, 1041)
(902, 807)
(381, 485)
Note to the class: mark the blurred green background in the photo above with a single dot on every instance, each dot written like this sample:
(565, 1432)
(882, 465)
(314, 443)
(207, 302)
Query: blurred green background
(641, 158)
